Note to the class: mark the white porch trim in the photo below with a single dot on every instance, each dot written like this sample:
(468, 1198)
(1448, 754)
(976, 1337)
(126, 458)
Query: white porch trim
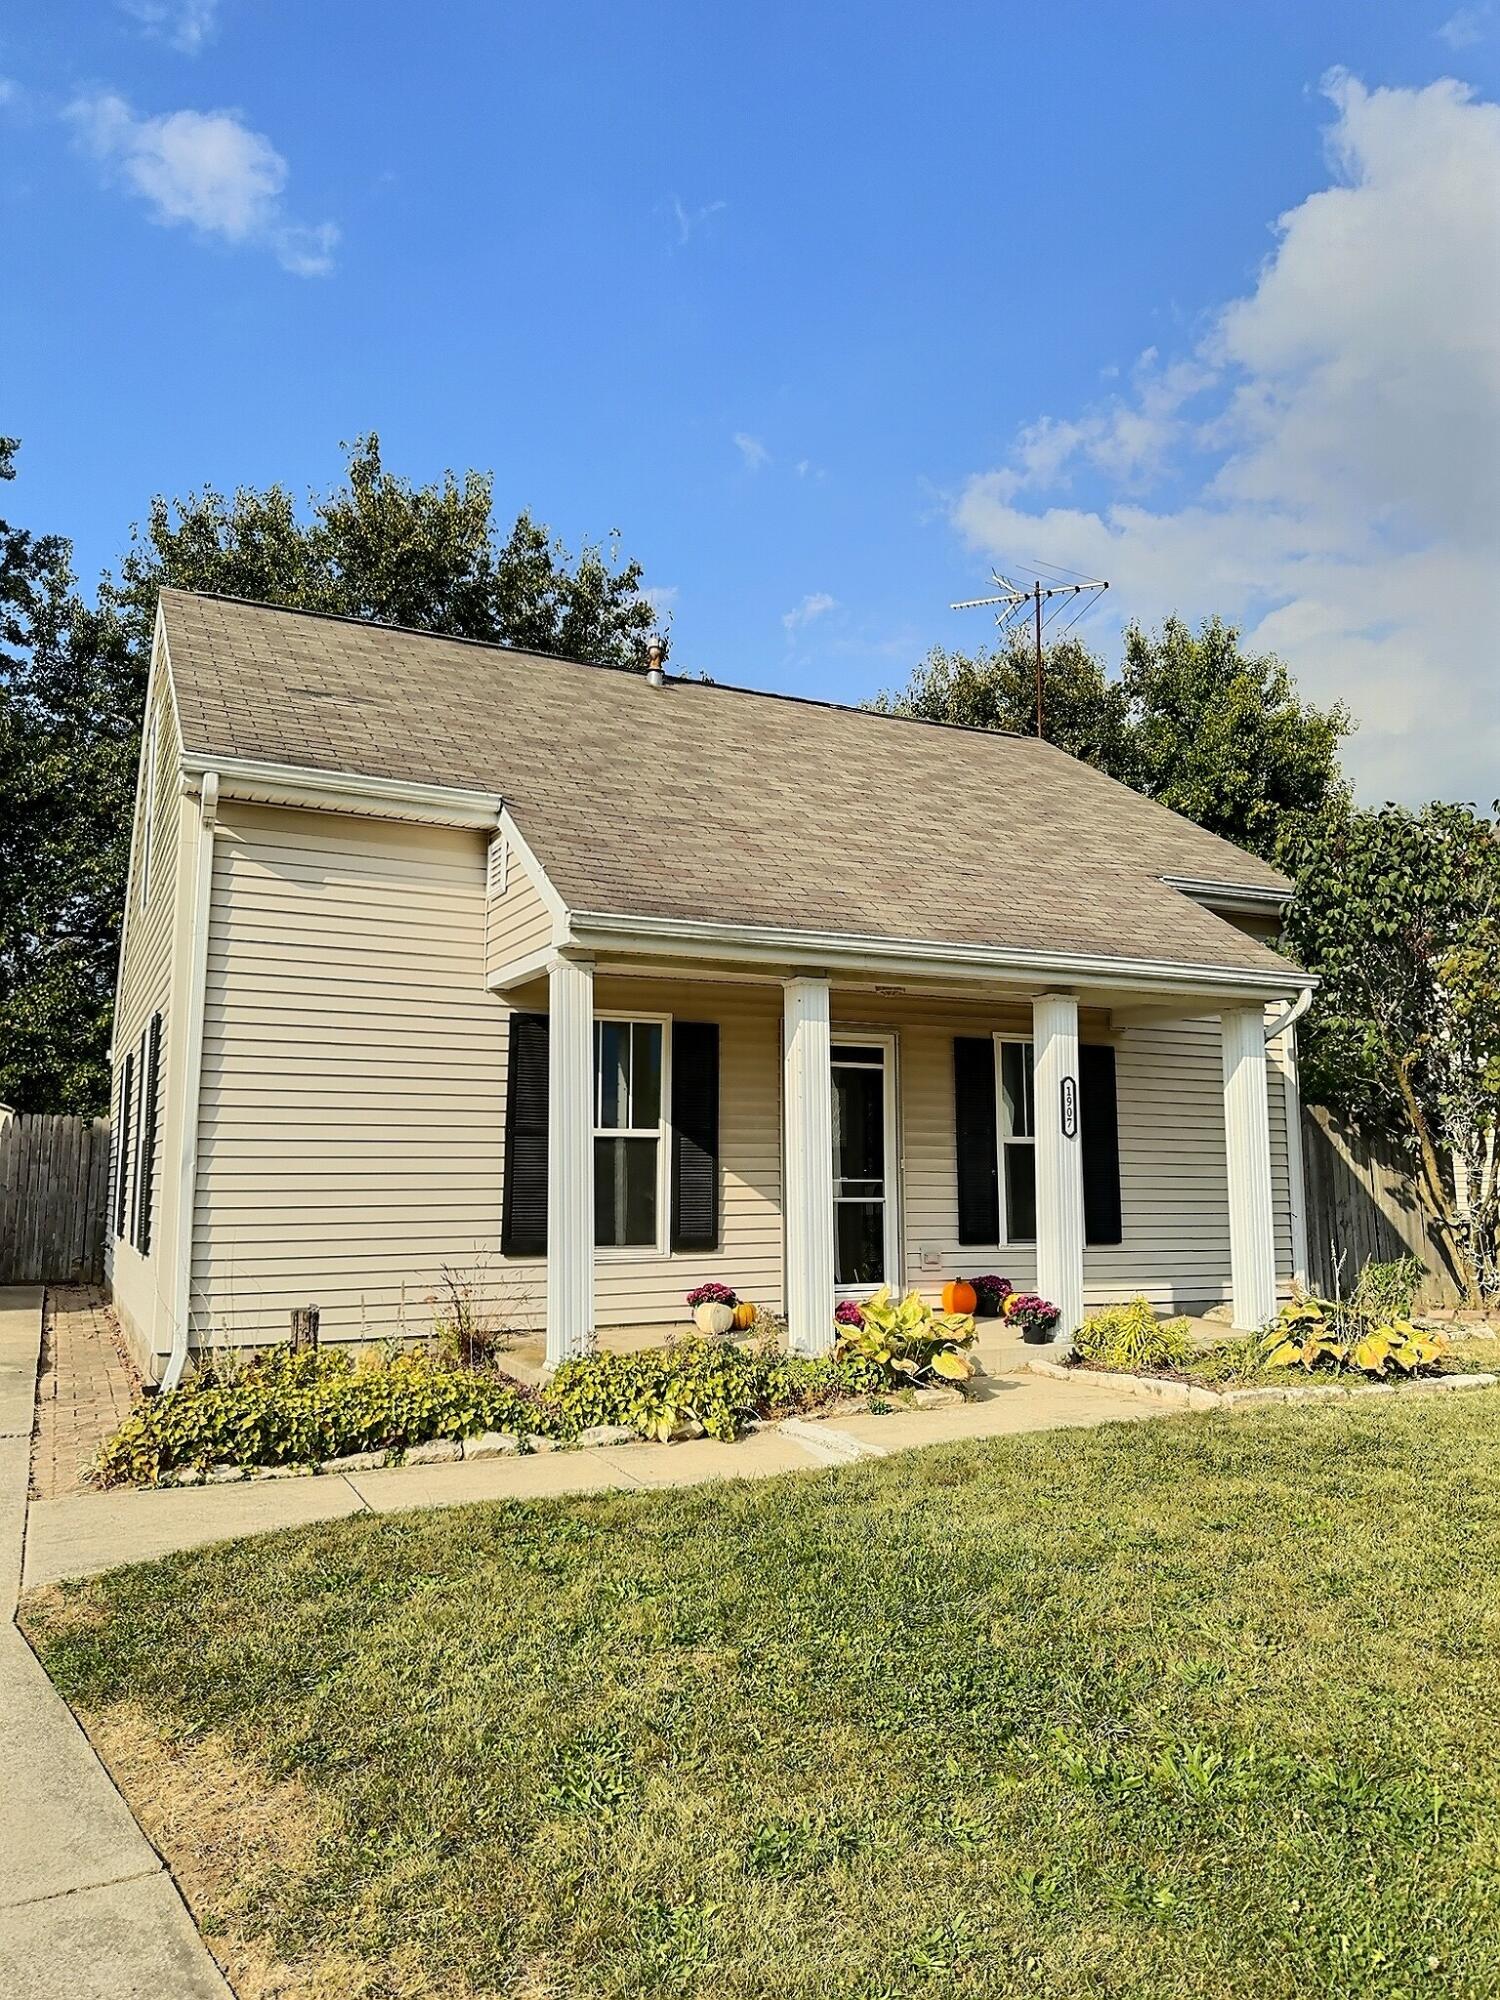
(808, 1151)
(1247, 1139)
(570, 1159)
(1059, 1160)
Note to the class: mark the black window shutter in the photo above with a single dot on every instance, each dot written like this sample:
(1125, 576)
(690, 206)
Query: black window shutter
(122, 1153)
(976, 1139)
(150, 1082)
(523, 1218)
(695, 1135)
(1100, 1136)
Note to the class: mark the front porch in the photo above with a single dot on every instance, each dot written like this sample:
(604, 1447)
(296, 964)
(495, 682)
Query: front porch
(846, 1132)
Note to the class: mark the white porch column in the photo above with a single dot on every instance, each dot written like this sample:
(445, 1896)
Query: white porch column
(808, 1193)
(570, 1159)
(1247, 1137)
(1059, 1160)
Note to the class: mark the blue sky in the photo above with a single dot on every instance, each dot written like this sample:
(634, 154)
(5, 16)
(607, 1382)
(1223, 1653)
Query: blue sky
(824, 309)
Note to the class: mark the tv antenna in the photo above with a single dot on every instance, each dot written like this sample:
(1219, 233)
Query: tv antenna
(1011, 597)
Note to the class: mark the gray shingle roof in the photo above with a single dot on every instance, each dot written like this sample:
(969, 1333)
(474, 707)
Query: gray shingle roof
(714, 802)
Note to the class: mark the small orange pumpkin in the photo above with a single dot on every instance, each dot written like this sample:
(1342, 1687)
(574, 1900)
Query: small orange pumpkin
(959, 1296)
(744, 1316)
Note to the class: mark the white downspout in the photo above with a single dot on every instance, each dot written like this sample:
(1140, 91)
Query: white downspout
(192, 1071)
(1285, 1023)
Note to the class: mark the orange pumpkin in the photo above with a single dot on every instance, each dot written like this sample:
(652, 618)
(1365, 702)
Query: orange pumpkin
(959, 1296)
(744, 1316)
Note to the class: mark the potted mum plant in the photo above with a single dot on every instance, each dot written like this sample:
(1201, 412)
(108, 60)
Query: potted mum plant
(713, 1307)
(1034, 1315)
(992, 1292)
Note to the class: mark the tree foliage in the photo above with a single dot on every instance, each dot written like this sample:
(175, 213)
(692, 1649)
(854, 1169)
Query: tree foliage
(1398, 912)
(1216, 733)
(73, 681)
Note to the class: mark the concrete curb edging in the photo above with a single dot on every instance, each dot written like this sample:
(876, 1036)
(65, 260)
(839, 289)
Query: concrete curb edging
(1193, 1396)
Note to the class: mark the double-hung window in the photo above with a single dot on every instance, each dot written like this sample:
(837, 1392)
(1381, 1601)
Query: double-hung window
(630, 1153)
(1016, 1123)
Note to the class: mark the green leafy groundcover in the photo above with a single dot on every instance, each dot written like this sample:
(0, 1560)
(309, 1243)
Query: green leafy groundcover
(1199, 1709)
(286, 1408)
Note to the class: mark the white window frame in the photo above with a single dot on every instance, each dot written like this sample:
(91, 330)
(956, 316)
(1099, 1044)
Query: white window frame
(888, 1040)
(148, 808)
(625, 1253)
(1001, 1141)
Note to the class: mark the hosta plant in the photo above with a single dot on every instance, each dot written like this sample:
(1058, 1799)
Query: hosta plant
(908, 1339)
(1131, 1338)
(1314, 1333)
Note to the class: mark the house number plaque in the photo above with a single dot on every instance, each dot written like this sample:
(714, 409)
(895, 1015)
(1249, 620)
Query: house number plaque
(1070, 1107)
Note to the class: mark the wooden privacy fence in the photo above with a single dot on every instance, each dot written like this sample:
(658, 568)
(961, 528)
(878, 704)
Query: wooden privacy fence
(1363, 1205)
(54, 1187)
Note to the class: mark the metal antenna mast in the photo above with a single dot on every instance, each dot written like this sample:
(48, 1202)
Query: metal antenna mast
(1010, 597)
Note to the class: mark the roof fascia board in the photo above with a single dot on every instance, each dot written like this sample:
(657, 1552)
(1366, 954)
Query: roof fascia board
(840, 951)
(556, 908)
(1245, 897)
(250, 778)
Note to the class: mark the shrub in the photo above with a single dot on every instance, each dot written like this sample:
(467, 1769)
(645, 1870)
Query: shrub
(1130, 1338)
(285, 1408)
(908, 1339)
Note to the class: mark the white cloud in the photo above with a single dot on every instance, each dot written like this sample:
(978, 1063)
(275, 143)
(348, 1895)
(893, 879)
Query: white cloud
(1465, 29)
(815, 605)
(206, 169)
(1325, 464)
(186, 24)
(690, 220)
(752, 451)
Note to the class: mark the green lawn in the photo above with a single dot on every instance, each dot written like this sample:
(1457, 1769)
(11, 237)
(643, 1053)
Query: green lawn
(1198, 1706)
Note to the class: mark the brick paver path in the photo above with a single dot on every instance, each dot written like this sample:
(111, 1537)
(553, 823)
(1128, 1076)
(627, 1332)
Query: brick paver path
(84, 1391)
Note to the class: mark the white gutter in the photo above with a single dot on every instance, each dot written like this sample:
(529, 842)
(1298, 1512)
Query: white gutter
(1248, 897)
(192, 1073)
(1292, 1012)
(597, 930)
(254, 778)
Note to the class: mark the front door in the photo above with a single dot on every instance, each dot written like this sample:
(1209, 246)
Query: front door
(864, 1164)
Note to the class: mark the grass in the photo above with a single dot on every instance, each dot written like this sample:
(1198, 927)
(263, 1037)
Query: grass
(1204, 1706)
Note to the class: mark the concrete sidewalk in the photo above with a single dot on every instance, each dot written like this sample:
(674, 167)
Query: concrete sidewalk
(87, 1909)
(83, 1533)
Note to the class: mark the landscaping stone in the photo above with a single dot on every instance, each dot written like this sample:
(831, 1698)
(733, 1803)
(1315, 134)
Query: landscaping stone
(440, 1451)
(222, 1475)
(936, 1399)
(601, 1434)
(491, 1444)
(686, 1431)
(355, 1461)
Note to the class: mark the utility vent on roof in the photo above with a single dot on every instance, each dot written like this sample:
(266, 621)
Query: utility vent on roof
(497, 869)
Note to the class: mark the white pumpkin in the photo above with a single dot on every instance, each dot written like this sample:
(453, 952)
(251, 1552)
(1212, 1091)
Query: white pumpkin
(713, 1319)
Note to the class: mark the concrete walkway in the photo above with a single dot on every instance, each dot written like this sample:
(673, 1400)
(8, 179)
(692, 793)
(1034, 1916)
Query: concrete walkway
(83, 1533)
(87, 1909)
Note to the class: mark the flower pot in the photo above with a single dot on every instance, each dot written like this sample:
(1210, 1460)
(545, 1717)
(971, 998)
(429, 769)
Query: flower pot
(1038, 1336)
(713, 1319)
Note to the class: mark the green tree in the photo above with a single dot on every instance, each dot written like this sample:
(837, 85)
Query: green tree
(1216, 733)
(73, 681)
(1398, 912)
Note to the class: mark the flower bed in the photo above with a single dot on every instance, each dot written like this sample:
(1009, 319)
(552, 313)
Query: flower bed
(307, 1408)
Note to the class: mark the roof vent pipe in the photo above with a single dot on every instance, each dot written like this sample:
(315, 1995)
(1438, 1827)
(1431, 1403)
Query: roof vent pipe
(653, 661)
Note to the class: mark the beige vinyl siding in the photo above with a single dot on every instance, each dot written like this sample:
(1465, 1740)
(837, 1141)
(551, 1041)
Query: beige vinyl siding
(1173, 1178)
(141, 1287)
(517, 922)
(635, 1289)
(352, 1099)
